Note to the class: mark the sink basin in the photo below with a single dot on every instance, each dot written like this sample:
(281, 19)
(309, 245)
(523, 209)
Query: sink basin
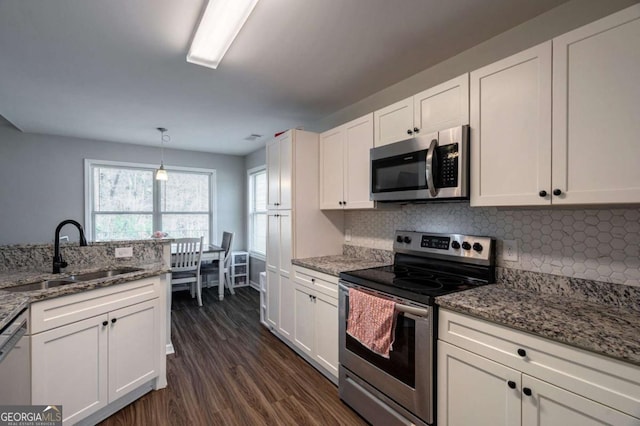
(72, 279)
(41, 285)
(102, 274)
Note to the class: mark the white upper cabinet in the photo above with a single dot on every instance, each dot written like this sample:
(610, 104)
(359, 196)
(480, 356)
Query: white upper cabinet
(511, 130)
(440, 107)
(394, 123)
(596, 107)
(560, 128)
(344, 165)
(279, 172)
(332, 168)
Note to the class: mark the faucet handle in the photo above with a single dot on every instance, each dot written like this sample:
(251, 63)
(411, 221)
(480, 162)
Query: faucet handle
(63, 264)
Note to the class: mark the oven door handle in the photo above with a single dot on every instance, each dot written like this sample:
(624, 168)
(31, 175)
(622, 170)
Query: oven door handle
(406, 309)
(412, 310)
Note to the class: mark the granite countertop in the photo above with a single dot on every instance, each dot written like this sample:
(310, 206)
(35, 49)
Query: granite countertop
(12, 303)
(333, 265)
(597, 327)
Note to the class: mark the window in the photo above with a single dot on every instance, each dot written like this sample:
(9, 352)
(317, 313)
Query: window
(125, 202)
(258, 211)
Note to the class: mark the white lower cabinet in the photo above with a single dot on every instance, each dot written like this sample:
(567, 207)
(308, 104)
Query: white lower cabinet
(326, 332)
(86, 364)
(492, 375)
(133, 344)
(315, 314)
(69, 368)
(304, 319)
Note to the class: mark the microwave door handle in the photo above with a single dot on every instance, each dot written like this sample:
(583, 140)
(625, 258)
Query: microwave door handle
(429, 168)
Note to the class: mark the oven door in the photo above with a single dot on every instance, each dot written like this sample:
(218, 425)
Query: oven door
(406, 377)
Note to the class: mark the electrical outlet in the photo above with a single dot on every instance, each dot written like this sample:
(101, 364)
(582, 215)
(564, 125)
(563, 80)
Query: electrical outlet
(510, 250)
(347, 234)
(124, 252)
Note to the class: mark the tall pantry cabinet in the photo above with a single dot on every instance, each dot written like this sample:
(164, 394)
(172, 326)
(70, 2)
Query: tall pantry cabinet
(296, 227)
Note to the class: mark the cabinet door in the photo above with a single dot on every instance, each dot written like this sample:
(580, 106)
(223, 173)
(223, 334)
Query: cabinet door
(304, 318)
(273, 174)
(394, 122)
(511, 130)
(69, 367)
(287, 308)
(358, 142)
(326, 332)
(596, 111)
(134, 347)
(549, 405)
(273, 298)
(473, 390)
(443, 106)
(332, 168)
(286, 247)
(273, 241)
(286, 170)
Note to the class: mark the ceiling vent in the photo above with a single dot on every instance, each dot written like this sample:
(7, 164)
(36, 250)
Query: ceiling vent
(253, 137)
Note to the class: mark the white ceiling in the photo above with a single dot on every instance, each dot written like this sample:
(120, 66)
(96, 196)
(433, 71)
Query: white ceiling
(115, 70)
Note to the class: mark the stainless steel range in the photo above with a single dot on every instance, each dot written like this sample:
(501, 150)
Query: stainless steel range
(400, 390)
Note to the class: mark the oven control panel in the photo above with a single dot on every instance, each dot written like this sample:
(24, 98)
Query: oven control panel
(463, 247)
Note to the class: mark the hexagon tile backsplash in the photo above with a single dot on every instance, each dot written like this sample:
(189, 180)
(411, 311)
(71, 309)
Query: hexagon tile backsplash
(594, 244)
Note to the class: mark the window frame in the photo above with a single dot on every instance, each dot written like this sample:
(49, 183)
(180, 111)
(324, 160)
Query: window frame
(89, 213)
(250, 212)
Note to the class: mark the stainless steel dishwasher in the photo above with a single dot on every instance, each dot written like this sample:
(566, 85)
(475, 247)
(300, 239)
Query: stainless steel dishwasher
(15, 377)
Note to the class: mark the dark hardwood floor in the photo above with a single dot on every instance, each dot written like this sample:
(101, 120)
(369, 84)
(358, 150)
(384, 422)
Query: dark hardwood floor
(230, 370)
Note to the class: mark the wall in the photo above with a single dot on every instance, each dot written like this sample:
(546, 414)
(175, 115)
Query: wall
(43, 182)
(256, 265)
(596, 244)
(542, 28)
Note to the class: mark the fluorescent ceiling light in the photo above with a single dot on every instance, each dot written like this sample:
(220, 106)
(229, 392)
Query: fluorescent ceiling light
(219, 26)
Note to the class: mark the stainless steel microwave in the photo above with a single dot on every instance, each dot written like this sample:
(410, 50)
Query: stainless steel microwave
(423, 168)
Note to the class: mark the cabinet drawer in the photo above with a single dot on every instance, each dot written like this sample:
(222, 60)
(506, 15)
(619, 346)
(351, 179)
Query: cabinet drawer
(608, 381)
(323, 283)
(59, 311)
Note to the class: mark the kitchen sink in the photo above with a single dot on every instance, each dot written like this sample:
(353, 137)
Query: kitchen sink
(102, 274)
(40, 285)
(72, 279)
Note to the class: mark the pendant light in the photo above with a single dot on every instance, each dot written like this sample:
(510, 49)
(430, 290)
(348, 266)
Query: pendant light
(161, 173)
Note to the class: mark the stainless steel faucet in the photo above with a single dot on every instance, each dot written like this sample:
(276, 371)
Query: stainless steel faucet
(58, 262)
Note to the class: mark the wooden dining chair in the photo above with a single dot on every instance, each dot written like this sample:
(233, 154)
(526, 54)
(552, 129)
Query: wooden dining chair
(185, 265)
(212, 268)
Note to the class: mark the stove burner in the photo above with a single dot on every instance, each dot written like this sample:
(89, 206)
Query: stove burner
(450, 281)
(414, 276)
(400, 270)
(418, 286)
